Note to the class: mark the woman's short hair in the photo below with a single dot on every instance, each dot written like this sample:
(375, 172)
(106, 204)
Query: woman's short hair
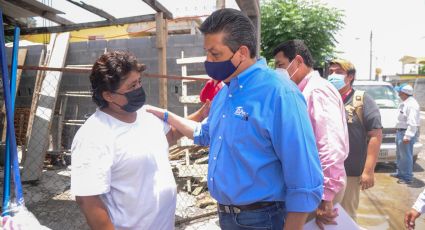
(109, 71)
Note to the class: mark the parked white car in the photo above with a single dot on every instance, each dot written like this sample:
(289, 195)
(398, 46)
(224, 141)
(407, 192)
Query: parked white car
(387, 100)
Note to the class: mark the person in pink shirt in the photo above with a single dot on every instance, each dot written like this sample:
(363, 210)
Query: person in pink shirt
(210, 89)
(327, 114)
(207, 94)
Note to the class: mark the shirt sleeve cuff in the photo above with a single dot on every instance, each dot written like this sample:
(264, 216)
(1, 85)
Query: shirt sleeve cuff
(419, 207)
(303, 200)
(328, 194)
(197, 134)
(420, 203)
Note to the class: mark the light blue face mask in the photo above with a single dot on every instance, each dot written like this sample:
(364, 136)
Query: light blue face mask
(337, 80)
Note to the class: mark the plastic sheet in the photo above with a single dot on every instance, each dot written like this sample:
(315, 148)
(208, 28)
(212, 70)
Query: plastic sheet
(19, 218)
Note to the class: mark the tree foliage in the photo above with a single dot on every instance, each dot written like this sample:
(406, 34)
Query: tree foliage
(421, 69)
(8, 39)
(311, 21)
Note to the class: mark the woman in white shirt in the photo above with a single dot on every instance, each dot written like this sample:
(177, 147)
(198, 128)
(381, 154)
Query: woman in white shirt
(121, 175)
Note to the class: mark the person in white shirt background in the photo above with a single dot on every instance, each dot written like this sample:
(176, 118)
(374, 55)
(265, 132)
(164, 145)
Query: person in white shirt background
(407, 134)
(121, 175)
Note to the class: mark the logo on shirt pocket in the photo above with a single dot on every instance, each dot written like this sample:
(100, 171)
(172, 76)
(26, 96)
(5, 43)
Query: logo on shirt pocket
(241, 114)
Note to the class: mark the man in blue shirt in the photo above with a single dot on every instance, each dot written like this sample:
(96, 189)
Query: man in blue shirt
(263, 162)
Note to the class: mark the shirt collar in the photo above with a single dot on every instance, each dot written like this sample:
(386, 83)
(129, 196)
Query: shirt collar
(306, 79)
(408, 99)
(244, 76)
(347, 95)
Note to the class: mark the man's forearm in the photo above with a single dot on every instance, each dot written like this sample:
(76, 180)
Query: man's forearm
(295, 220)
(184, 126)
(410, 132)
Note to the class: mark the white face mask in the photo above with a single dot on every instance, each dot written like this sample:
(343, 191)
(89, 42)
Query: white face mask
(285, 71)
(338, 80)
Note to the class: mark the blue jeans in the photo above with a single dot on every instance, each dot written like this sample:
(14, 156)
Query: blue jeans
(404, 155)
(270, 218)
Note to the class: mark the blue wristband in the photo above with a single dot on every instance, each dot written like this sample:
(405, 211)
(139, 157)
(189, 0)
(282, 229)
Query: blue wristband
(165, 117)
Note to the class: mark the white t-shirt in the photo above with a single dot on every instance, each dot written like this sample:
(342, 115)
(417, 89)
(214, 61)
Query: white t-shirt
(127, 165)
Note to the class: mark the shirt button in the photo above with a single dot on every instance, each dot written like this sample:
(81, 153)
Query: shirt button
(224, 115)
(211, 179)
(241, 86)
(215, 158)
(230, 95)
(219, 137)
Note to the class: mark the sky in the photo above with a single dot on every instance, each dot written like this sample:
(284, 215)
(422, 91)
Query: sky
(397, 26)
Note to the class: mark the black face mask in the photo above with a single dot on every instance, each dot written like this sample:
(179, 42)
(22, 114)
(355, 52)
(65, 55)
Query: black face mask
(135, 100)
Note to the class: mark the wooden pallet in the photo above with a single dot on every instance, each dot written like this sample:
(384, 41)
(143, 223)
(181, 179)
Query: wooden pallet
(21, 124)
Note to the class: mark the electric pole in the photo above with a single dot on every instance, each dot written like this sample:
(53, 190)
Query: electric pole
(370, 58)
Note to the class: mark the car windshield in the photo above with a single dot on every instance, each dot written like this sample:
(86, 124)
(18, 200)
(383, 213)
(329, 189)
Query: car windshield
(385, 96)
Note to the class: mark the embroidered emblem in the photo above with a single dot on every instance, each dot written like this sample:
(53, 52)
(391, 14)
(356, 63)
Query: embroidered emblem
(240, 113)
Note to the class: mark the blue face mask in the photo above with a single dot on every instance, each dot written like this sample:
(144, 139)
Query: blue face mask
(337, 80)
(220, 70)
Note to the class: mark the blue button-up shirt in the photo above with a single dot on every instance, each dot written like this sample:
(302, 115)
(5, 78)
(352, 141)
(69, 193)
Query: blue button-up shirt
(262, 146)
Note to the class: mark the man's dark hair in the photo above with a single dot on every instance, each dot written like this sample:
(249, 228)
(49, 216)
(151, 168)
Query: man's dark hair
(109, 71)
(293, 48)
(237, 28)
(352, 72)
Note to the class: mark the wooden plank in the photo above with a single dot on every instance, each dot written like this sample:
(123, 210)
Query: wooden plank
(187, 161)
(158, 7)
(44, 59)
(191, 60)
(161, 45)
(14, 11)
(22, 54)
(38, 142)
(220, 4)
(20, 130)
(40, 11)
(62, 112)
(86, 25)
(93, 10)
(41, 6)
(192, 99)
(202, 76)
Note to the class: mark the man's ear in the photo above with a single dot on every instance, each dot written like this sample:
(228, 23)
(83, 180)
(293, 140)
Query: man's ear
(244, 53)
(107, 96)
(350, 78)
(299, 59)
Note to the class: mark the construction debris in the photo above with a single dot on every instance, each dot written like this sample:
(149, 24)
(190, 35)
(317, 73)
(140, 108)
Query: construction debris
(195, 172)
